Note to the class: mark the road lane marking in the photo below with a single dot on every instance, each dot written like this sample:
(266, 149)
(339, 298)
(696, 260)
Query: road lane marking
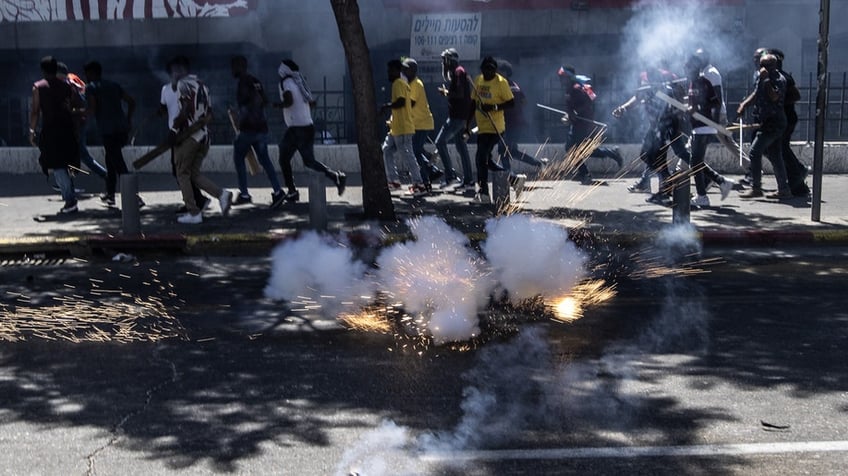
(639, 451)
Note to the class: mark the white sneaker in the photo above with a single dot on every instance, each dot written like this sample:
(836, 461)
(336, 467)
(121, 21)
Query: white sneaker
(725, 187)
(518, 184)
(190, 219)
(701, 201)
(226, 201)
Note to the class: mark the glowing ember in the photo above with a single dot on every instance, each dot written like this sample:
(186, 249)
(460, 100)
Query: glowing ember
(567, 309)
(367, 321)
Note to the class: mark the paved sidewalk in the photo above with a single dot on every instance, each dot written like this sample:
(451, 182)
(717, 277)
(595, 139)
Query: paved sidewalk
(605, 211)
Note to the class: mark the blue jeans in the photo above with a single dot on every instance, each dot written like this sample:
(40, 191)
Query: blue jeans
(418, 141)
(259, 141)
(453, 129)
(769, 133)
(87, 159)
(401, 145)
(66, 185)
(698, 147)
(300, 139)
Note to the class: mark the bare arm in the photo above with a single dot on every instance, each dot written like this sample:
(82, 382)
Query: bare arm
(34, 112)
(620, 110)
(130, 106)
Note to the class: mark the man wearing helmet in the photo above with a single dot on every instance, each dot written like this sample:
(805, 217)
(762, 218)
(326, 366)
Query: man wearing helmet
(460, 109)
(796, 172)
(768, 99)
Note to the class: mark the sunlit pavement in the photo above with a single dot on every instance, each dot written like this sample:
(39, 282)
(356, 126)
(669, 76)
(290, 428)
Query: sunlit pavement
(605, 210)
(726, 362)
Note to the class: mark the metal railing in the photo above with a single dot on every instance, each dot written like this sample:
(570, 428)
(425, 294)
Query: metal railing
(613, 91)
(334, 115)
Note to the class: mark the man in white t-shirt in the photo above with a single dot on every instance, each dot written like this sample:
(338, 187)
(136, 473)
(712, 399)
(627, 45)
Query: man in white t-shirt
(169, 103)
(195, 108)
(299, 137)
(712, 75)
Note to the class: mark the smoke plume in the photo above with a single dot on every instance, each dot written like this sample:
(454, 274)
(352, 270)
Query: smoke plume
(438, 280)
(315, 270)
(531, 257)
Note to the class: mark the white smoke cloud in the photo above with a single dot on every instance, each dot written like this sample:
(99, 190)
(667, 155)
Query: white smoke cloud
(671, 30)
(437, 279)
(381, 452)
(314, 269)
(531, 257)
(504, 396)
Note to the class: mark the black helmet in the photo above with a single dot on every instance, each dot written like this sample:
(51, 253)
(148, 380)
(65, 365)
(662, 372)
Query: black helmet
(450, 54)
(700, 58)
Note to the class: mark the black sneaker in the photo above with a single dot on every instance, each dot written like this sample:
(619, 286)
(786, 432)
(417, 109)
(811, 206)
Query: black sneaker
(243, 199)
(659, 199)
(70, 207)
(801, 190)
(277, 199)
(293, 196)
(108, 200)
(340, 181)
(642, 186)
(435, 174)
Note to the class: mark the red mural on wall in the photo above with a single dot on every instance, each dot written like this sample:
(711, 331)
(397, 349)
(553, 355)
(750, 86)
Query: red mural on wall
(64, 10)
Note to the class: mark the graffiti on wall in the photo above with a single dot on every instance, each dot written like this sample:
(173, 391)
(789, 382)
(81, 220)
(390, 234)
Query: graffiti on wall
(64, 10)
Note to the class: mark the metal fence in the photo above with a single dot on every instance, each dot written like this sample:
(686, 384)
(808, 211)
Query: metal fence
(613, 91)
(333, 116)
(335, 123)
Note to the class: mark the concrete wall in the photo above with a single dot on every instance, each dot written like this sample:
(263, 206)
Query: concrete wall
(20, 160)
(308, 30)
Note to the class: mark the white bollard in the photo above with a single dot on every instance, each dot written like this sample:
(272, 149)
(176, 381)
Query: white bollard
(130, 216)
(317, 202)
(500, 190)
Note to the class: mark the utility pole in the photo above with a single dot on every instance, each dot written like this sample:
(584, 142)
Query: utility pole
(821, 108)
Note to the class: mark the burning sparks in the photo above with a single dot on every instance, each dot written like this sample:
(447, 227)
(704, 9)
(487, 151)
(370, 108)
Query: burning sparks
(367, 321)
(569, 308)
(77, 319)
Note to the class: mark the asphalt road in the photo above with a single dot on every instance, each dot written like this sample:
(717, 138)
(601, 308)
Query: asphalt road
(737, 368)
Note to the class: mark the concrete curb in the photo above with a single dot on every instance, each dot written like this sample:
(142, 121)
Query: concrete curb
(262, 243)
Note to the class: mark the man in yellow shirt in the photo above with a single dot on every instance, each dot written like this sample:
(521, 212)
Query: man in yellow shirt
(401, 131)
(422, 118)
(491, 95)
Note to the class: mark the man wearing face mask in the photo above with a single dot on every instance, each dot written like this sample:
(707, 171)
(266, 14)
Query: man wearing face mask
(491, 95)
(768, 100)
(460, 108)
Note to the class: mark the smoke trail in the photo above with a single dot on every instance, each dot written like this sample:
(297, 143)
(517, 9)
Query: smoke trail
(682, 321)
(437, 279)
(316, 270)
(669, 31)
(381, 452)
(505, 394)
(531, 257)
